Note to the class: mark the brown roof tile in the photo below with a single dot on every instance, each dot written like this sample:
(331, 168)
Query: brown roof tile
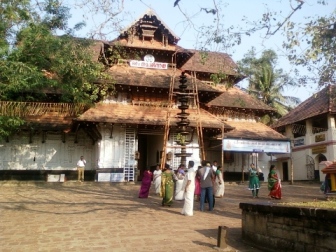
(96, 49)
(50, 120)
(150, 115)
(152, 18)
(236, 98)
(145, 44)
(252, 130)
(318, 104)
(211, 62)
(330, 168)
(133, 76)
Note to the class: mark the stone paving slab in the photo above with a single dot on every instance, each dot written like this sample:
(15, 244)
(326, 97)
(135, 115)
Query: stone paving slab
(72, 216)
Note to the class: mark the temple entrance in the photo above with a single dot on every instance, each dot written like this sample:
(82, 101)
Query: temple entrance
(149, 147)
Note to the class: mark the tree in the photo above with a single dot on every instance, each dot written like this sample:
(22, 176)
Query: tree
(35, 61)
(318, 38)
(310, 45)
(267, 83)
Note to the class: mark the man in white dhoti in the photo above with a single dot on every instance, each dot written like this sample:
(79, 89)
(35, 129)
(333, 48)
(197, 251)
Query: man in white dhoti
(189, 182)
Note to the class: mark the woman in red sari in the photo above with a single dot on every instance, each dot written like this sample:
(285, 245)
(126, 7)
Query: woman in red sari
(274, 184)
(197, 186)
(146, 183)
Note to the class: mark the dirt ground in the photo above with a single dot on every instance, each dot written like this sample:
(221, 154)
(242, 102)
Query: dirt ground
(92, 216)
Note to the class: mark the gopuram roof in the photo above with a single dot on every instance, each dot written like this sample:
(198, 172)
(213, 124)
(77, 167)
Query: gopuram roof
(320, 103)
(211, 62)
(148, 31)
(252, 130)
(153, 78)
(149, 115)
(330, 168)
(235, 98)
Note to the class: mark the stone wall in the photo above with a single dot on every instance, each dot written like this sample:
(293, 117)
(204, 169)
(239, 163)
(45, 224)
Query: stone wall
(283, 228)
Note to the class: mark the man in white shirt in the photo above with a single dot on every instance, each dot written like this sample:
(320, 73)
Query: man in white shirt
(189, 187)
(80, 168)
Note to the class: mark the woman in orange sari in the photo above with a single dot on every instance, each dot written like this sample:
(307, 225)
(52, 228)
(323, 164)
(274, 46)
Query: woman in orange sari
(274, 184)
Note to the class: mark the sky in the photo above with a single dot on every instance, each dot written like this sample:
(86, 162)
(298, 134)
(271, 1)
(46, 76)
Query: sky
(233, 11)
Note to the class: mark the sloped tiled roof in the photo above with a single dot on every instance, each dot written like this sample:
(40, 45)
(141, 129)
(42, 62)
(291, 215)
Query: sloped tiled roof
(50, 120)
(318, 104)
(150, 115)
(330, 168)
(252, 130)
(236, 98)
(126, 75)
(152, 13)
(96, 49)
(211, 62)
(146, 44)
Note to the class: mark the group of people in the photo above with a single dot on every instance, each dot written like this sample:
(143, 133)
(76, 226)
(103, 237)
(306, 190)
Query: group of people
(274, 182)
(186, 183)
(203, 184)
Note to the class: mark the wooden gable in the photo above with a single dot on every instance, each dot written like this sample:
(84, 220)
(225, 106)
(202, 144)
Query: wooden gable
(149, 28)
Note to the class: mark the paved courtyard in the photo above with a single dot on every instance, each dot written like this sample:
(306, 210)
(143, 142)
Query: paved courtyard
(91, 216)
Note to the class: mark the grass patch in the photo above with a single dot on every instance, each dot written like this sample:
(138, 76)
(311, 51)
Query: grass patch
(315, 204)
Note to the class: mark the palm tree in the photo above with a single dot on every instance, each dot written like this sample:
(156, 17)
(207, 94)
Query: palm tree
(267, 83)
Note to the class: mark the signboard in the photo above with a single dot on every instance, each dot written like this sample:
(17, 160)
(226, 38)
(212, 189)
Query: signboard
(256, 146)
(319, 149)
(299, 142)
(144, 64)
(320, 138)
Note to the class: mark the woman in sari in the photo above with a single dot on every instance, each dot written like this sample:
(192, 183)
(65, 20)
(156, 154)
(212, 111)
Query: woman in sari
(274, 185)
(254, 184)
(179, 178)
(167, 186)
(219, 183)
(157, 179)
(197, 185)
(146, 183)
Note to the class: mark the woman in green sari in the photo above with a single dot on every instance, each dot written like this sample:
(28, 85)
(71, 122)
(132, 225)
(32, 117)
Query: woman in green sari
(254, 184)
(167, 186)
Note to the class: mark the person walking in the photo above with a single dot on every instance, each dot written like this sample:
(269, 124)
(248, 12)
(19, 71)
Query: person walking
(80, 168)
(189, 188)
(254, 184)
(167, 186)
(219, 183)
(274, 184)
(145, 183)
(179, 178)
(207, 178)
(197, 185)
(157, 179)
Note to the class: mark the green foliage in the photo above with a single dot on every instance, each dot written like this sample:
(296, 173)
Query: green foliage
(318, 38)
(8, 125)
(41, 63)
(266, 82)
(37, 64)
(218, 78)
